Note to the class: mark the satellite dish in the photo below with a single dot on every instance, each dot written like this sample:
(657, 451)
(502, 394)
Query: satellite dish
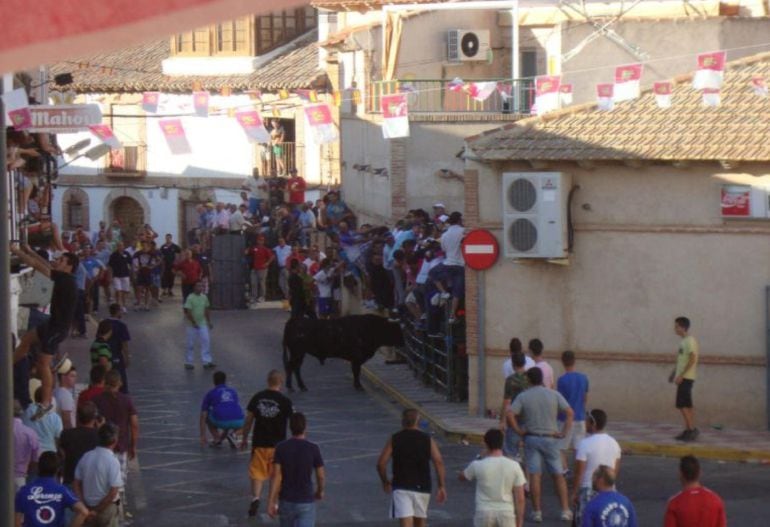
(98, 151)
(470, 44)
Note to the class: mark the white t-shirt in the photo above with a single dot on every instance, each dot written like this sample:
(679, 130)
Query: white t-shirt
(451, 242)
(547, 373)
(595, 450)
(253, 185)
(65, 401)
(324, 283)
(496, 477)
(508, 366)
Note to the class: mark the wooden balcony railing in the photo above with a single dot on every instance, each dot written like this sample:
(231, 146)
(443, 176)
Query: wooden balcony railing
(434, 96)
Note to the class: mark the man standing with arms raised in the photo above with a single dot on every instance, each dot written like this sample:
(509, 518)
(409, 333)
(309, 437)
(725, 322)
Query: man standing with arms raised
(412, 451)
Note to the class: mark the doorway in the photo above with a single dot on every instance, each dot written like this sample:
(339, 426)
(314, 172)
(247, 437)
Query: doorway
(129, 213)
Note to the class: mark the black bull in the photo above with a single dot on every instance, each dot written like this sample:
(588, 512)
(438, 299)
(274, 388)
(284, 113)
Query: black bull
(354, 338)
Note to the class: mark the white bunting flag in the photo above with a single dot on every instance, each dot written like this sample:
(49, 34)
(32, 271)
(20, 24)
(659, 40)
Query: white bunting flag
(627, 80)
(759, 86)
(711, 97)
(663, 91)
(395, 116)
(253, 126)
(175, 136)
(505, 90)
(319, 118)
(711, 71)
(547, 93)
(456, 85)
(565, 94)
(604, 96)
(106, 135)
(480, 91)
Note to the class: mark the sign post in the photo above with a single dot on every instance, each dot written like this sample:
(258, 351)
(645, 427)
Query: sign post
(480, 251)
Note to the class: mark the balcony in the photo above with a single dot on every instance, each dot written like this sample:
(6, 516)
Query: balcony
(270, 163)
(434, 96)
(127, 162)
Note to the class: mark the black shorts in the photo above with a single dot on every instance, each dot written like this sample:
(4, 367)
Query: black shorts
(144, 278)
(684, 394)
(50, 338)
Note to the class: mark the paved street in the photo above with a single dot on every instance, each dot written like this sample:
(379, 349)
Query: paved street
(177, 482)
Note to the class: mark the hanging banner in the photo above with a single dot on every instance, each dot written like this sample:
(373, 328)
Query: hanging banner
(711, 97)
(319, 118)
(759, 86)
(456, 85)
(150, 101)
(105, 135)
(480, 91)
(604, 96)
(17, 109)
(627, 80)
(565, 94)
(253, 126)
(711, 71)
(176, 139)
(64, 119)
(395, 116)
(663, 91)
(201, 103)
(547, 93)
(307, 95)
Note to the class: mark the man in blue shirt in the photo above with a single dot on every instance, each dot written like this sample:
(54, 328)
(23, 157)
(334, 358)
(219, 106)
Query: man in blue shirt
(608, 508)
(42, 502)
(220, 410)
(94, 271)
(573, 386)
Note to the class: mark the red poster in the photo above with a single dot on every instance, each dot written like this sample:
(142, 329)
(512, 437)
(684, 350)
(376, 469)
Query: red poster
(736, 201)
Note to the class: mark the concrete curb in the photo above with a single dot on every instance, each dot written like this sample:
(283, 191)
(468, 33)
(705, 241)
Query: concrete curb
(629, 447)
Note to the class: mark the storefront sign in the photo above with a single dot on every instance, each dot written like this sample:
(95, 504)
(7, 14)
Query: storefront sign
(64, 119)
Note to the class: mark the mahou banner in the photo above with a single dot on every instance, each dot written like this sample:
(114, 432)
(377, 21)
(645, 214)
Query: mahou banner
(175, 136)
(711, 71)
(627, 80)
(105, 135)
(604, 96)
(395, 116)
(547, 93)
(253, 126)
(319, 118)
(663, 91)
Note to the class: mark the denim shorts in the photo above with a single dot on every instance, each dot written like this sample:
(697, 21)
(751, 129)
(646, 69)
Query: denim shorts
(296, 514)
(538, 450)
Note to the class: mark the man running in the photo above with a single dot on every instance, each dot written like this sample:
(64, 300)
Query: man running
(268, 411)
(412, 451)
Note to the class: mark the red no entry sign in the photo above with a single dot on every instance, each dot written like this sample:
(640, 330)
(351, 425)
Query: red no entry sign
(480, 249)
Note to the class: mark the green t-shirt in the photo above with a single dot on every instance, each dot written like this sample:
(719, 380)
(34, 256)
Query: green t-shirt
(688, 346)
(98, 350)
(514, 385)
(197, 304)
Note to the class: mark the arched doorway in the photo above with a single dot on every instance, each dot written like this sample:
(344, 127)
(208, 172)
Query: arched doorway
(129, 213)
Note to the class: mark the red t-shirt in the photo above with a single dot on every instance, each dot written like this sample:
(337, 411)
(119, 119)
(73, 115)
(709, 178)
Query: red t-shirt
(696, 507)
(191, 271)
(260, 256)
(296, 186)
(89, 393)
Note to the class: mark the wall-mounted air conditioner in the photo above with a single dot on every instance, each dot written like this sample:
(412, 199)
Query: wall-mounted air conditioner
(464, 45)
(535, 214)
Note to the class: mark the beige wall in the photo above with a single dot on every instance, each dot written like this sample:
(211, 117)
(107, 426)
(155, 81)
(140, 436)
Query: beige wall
(652, 246)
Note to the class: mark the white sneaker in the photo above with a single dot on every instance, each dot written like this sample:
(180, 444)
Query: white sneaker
(566, 516)
(536, 516)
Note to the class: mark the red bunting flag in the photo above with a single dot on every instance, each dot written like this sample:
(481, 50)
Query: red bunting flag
(565, 94)
(319, 118)
(759, 86)
(105, 135)
(546, 93)
(711, 97)
(201, 103)
(480, 91)
(711, 71)
(395, 115)
(175, 136)
(17, 108)
(604, 96)
(456, 85)
(150, 101)
(627, 79)
(253, 126)
(663, 91)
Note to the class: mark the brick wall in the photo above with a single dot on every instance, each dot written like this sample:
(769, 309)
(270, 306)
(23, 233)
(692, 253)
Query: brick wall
(471, 221)
(397, 173)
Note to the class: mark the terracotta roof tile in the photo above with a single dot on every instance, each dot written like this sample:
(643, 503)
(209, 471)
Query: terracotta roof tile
(138, 69)
(737, 130)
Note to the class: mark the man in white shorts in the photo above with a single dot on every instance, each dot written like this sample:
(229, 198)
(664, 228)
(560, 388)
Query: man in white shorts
(500, 482)
(595, 450)
(120, 269)
(412, 451)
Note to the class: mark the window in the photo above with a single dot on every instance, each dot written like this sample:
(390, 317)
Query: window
(233, 37)
(277, 29)
(197, 42)
(75, 211)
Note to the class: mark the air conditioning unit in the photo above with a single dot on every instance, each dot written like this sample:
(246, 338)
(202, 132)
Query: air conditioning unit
(535, 214)
(465, 45)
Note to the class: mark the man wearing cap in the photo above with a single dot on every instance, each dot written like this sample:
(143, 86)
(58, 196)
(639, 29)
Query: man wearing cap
(439, 214)
(261, 258)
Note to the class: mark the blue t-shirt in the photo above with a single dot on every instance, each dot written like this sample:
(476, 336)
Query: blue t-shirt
(609, 509)
(573, 386)
(80, 277)
(43, 502)
(92, 266)
(222, 404)
(298, 459)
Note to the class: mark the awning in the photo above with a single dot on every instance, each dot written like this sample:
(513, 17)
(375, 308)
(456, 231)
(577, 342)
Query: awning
(47, 31)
